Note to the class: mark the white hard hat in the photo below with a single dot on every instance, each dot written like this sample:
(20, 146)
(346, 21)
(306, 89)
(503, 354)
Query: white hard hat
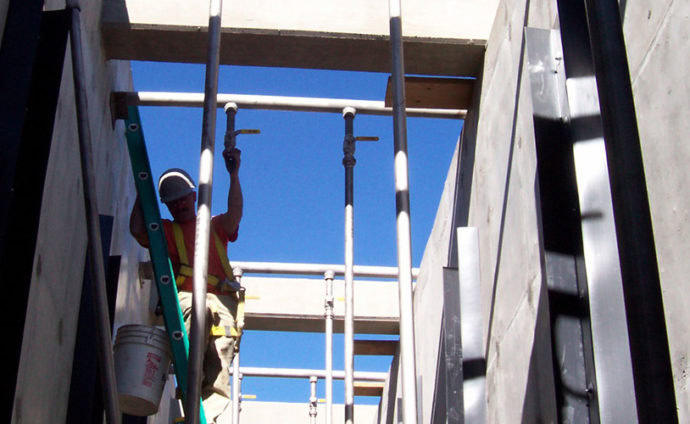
(174, 184)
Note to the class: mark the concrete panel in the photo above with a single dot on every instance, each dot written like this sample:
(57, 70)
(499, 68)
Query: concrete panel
(428, 295)
(658, 41)
(442, 37)
(53, 307)
(297, 304)
(503, 208)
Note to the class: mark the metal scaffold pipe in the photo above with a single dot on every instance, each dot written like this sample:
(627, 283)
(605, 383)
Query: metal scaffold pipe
(402, 204)
(203, 220)
(96, 265)
(236, 375)
(319, 269)
(328, 277)
(308, 373)
(236, 378)
(349, 163)
(313, 399)
(285, 103)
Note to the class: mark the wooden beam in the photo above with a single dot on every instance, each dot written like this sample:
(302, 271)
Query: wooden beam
(368, 388)
(435, 93)
(375, 347)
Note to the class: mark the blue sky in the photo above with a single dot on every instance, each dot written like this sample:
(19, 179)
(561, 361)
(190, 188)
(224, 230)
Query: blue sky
(293, 183)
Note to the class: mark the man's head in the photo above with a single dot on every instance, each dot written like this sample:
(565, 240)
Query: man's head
(176, 190)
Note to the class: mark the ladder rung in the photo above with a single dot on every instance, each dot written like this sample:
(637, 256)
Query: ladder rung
(375, 347)
(368, 388)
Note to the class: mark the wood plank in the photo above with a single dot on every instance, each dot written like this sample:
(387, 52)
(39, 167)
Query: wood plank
(435, 93)
(375, 347)
(368, 388)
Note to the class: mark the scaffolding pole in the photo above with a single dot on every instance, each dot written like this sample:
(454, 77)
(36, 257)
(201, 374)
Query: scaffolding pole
(96, 265)
(203, 220)
(349, 164)
(328, 277)
(285, 103)
(402, 205)
(238, 272)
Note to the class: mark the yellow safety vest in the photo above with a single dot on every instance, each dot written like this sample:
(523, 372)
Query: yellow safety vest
(187, 271)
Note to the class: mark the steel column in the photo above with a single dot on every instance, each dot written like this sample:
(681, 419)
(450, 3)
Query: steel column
(402, 205)
(203, 220)
(96, 265)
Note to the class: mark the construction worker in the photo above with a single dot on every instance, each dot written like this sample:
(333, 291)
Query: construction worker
(177, 190)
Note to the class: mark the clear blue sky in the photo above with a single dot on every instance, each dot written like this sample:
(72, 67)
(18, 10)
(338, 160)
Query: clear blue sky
(293, 183)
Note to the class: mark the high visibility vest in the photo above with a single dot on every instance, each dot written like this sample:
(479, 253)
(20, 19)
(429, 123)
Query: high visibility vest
(187, 271)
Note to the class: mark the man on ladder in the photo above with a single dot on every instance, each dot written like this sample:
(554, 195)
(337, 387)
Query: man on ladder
(177, 190)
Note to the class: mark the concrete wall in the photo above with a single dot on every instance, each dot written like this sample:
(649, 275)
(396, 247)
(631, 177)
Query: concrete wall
(657, 36)
(503, 206)
(53, 307)
(504, 209)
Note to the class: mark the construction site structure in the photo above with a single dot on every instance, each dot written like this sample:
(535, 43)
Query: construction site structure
(553, 285)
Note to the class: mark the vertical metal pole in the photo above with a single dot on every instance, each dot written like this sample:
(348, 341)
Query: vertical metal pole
(313, 399)
(328, 276)
(402, 205)
(652, 371)
(96, 266)
(237, 272)
(203, 220)
(236, 389)
(349, 163)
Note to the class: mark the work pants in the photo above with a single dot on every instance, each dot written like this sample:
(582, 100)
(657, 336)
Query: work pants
(219, 352)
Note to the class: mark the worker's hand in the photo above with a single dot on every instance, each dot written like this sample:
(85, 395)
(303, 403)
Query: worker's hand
(232, 160)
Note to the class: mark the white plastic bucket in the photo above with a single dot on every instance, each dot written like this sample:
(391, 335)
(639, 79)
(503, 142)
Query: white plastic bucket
(142, 358)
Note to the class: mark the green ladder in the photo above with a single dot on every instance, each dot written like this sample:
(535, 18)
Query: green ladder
(162, 268)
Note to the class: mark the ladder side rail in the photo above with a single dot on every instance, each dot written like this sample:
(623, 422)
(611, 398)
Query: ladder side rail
(162, 268)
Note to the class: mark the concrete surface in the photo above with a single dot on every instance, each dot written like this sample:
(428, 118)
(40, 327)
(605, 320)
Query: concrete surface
(503, 208)
(304, 33)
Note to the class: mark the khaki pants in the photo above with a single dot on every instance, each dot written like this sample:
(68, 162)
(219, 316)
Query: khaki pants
(221, 311)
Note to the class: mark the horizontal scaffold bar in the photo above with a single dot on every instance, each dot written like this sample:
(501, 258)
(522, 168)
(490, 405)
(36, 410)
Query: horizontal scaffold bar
(299, 104)
(318, 269)
(307, 373)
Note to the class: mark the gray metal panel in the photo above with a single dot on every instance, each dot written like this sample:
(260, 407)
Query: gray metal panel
(561, 240)
(452, 347)
(474, 365)
(610, 342)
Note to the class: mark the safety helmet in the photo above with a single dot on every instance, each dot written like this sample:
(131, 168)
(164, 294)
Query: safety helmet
(174, 184)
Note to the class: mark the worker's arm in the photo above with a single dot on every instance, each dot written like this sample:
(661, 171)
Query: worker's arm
(137, 225)
(231, 219)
